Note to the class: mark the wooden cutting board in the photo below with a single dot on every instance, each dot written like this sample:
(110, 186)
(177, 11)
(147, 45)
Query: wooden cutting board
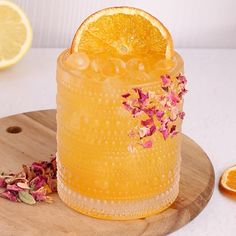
(29, 137)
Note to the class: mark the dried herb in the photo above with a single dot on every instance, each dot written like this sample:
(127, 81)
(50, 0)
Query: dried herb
(32, 184)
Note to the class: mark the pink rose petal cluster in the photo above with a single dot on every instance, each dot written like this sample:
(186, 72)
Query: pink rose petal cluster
(161, 110)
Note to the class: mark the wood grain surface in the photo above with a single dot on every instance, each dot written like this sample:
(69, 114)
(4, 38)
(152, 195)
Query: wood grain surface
(32, 137)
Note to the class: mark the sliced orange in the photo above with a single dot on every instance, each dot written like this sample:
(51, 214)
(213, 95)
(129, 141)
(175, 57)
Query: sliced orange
(123, 31)
(228, 181)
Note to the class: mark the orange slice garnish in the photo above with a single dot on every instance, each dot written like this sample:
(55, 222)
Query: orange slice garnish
(228, 181)
(123, 31)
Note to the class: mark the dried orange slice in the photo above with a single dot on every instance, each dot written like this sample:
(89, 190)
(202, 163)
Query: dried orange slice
(123, 31)
(228, 181)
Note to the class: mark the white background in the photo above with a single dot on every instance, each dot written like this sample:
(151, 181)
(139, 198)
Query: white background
(193, 23)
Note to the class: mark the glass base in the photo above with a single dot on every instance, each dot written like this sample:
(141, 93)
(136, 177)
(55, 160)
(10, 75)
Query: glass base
(117, 210)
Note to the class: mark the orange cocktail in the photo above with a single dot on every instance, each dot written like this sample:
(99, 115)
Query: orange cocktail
(118, 121)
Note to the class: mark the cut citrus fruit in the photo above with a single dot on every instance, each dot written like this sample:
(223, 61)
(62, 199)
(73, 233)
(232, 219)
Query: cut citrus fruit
(123, 31)
(15, 34)
(228, 180)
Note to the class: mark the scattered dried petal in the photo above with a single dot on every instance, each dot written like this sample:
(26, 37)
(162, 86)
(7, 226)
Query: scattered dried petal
(13, 187)
(3, 183)
(9, 195)
(37, 182)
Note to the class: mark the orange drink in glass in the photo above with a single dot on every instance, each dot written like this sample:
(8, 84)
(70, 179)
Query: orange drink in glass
(119, 117)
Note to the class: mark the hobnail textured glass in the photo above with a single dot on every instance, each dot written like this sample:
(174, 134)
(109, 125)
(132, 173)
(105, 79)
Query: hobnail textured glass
(97, 175)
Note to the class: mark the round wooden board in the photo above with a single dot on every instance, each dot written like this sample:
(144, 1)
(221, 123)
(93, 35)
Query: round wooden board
(37, 140)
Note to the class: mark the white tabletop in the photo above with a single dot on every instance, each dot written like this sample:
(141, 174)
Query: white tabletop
(210, 107)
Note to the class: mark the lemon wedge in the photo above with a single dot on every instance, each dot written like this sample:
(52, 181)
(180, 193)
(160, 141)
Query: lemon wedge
(15, 34)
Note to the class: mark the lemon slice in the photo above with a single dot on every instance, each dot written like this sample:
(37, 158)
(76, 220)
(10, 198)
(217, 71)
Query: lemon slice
(123, 31)
(15, 34)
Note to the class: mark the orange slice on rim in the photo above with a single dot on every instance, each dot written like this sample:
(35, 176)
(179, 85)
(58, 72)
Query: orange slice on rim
(228, 181)
(123, 31)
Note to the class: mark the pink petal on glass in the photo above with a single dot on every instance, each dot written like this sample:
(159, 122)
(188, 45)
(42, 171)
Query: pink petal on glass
(127, 106)
(150, 111)
(136, 111)
(147, 122)
(126, 95)
(9, 195)
(152, 130)
(181, 115)
(182, 79)
(172, 129)
(173, 98)
(165, 80)
(174, 113)
(174, 133)
(147, 144)
(159, 115)
(165, 133)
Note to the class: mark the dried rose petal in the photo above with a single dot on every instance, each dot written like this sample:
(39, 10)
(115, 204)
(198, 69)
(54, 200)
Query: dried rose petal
(181, 115)
(182, 79)
(172, 129)
(174, 113)
(127, 106)
(159, 114)
(9, 195)
(150, 111)
(37, 182)
(152, 130)
(13, 187)
(126, 95)
(166, 81)
(136, 111)
(165, 133)
(173, 98)
(162, 106)
(37, 168)
(147, 122)
(147, 144)
(3, 183)
(40, 194)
